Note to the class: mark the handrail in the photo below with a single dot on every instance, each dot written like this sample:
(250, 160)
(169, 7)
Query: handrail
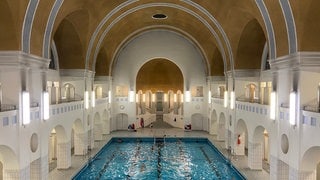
(7, 107)
(245, 99)
(311, 108)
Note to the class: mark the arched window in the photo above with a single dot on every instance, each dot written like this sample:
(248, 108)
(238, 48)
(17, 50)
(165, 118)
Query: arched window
(251, 92)
(68, 92)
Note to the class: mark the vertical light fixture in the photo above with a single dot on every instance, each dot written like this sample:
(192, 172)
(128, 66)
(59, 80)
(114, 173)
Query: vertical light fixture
(188, 96)
(225, 99)
(46, 105)
(209, 97)
(131, 96)
(137, 98)
(273, 105)
(165, 97)
(181, 98)
(86, 100)
(293, 98)
(109, 94)
(153, 97)
(143, 97)
(25, 107)
(93, 98)
(232, 100)
(175, 98)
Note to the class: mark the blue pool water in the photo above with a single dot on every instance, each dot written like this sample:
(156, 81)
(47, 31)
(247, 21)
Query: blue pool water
(149, 158)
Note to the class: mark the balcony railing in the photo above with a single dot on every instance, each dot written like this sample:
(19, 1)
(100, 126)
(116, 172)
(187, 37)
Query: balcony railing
(311, 108)
(70, 100)
(7, 107)
(246, 99)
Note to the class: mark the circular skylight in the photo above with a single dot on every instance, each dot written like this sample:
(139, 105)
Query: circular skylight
(159, 16)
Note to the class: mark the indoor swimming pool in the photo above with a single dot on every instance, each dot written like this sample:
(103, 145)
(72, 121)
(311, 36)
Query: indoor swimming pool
(159, 158)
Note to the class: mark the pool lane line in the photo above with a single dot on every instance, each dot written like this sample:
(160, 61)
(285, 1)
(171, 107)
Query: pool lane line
(135, 155)
(159, 145)
(210, 162)
(105, 166)
(182, 155)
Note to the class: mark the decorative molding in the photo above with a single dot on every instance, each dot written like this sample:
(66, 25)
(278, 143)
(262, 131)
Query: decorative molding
(116, 20)
(49, 27)
(101, 24)
(305, 61)
(76, 73)
(102, 78)
(147, 29)
(18, 59)
(216, 79)
(270, 31)
(27, 25)
(55, 55)
(290, 25)
(245, 73)
(217, 24)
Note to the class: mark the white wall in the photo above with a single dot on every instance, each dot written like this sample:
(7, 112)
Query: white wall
(160, 44)
(309, 82)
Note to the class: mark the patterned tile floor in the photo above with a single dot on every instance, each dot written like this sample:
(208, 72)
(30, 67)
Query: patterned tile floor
(239, 161)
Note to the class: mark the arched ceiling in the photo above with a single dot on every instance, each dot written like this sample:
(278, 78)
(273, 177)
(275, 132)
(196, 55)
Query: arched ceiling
(97, 30)
(156, 75)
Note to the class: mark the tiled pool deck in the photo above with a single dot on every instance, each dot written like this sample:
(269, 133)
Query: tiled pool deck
(239, 161)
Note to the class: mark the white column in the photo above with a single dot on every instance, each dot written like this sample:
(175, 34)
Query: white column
(295, 174)
(64, 155)
(16, 174)
(221, 132)
(255, 153)
(11, 174)
(35, 169)
(80, 143)
(39, 169)
(278, 169)
(90, 138)
(98, 128)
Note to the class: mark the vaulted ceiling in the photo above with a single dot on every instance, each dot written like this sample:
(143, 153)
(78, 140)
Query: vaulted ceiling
(230, 34)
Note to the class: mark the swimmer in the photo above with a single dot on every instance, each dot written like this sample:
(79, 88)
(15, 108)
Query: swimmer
(142, 167)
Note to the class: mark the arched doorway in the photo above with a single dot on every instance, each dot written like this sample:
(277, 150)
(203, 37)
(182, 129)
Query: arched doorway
(9, 166)
(310, 163)
(72, 141)
(122, 121)
(221, 128)
(241, 135)
(52, 150)
(97, 129)
(59, 149)
(259, 149)
(197, 121)
(156, 77)
(214, 123)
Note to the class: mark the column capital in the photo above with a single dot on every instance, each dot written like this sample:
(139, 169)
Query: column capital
(18, 59)
(300, 61)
